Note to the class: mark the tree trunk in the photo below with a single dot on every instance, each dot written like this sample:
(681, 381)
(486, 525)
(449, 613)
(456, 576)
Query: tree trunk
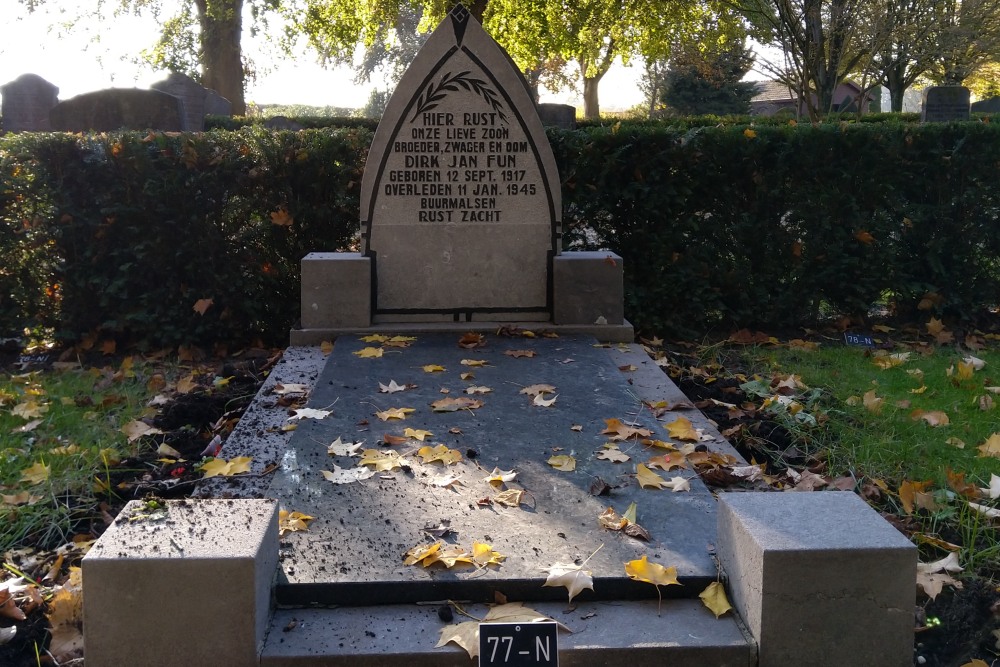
(591, 106)
(896, 89)
(221, 55)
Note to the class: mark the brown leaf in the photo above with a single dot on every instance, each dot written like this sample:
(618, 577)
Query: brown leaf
(620, 431)
(517, 354)
(202, 305)
(282, 217)
(472, 340)
(455, 404)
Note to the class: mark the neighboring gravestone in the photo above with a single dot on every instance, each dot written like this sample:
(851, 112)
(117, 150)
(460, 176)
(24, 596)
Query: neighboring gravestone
(558, 115)
(989, 105)
(282, 123)
(460, 201)
(27, 101)
(192, 97)
(945, 103)
(118, 108)
(216, 104)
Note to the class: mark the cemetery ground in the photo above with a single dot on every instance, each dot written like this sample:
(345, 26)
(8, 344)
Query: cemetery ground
(909, 423)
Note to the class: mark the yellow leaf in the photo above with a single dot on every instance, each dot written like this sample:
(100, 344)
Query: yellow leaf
(475, 363)
(497, 478)
(509, 498)
(563, 462)
(715, 599)
(326, 347)
(282, 217)
(872, 402)
(36, 473)
(369, 353)
(647, 478)
(29, 410)
(439, 453)
(374, 338)
(749, 134)
(933, 417)
(425, 554)
(935, 326)
(381, 461)
(483, 555)
(433, 368)
(222, 468)
(473, 390)
(394, 413)
(991, 447)
(291, 522)
(651, 573)
(682, 429)
(416, 434)
(455, 404)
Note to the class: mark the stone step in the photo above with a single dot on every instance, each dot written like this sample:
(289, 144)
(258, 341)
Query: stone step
(682, 634)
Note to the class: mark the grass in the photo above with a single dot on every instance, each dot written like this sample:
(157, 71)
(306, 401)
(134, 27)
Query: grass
(59, 435)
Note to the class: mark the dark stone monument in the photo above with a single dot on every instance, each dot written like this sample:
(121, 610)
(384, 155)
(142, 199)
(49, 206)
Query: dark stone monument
(942, 104)
(461, 208)
(192, 96)
(282, 123)
(116, 109)
(216, 104)
(989, 105)
(27, 101)
(558, 115)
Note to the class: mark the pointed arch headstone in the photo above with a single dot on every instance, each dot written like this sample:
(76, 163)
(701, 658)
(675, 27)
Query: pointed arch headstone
(460, 200)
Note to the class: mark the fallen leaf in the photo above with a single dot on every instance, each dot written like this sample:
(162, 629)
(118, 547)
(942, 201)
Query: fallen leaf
(374, 338)
(647, 478)
(340, 448)
(444, 481)
(433, 368)
(326, 347)
(613, 454)
(201, 306)
(988, 512)
(475, 363)
(439, 453)
(472, 340)
(994, 490)
(381, 460)
(872, 402)
(947, 564)
(310, 413)
(933, 417)
(991, 446)
(290, 388)
(416, 434)
(281, 217)
(222, 468)
(573, 577)
(536, 389)
(369, 353)
(292, 522)
(668, 461)
(483, 555)
(393, 387)
(65, 616)
(562, 462)
(451, 556)
(678, 483)
(394, 413)
(426, 554)
(29, 410)
(347, 475)
(138, 429)
(715, 599)
(509, 498)
(576, 427)
(36, 473)
(682, 429)
(652, 573)
(467, 376)
(498, 477)
(166, 450)
(620, 431)
(466, 634)
(455, 404)
(541, 401)
(477, 390)
(520, 353)
(394, 440)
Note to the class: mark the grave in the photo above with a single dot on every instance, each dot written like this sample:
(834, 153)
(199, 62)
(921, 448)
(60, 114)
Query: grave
(26, 104)
(942, 104)
(116, 109)
(989, 105)
(192, 96)
(347, 594)
(461, 211)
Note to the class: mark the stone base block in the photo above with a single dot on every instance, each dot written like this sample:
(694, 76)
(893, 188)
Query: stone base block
(819, 578)
(190, 585)
(336, 290)
(588, 288)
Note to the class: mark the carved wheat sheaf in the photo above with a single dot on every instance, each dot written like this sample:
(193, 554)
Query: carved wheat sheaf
(430, 98)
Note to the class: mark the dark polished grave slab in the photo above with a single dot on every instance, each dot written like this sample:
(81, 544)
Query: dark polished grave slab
(353, 552)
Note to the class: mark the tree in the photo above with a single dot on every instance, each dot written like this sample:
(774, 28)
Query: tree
(823, 41)
(651, 84)
(708, 80)
(908, 51)
(537, 33)
(968, 36)
(217, 51)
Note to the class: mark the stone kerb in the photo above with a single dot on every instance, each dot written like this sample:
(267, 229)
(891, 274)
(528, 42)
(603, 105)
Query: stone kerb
(188, 586)
(819, 578)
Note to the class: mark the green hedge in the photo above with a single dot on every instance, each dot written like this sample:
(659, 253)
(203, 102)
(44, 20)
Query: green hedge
(720, 227)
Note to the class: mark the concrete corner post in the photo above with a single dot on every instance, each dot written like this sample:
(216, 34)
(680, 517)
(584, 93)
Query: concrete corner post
(188, 586)
(819, 578)
(336, 290)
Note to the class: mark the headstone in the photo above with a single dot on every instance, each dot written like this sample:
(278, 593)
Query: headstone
(989, 105)
(282, 123)
(27, 101)
(216, 104)
(945, 103)
(460, 200)
(192, 97)
(558, 115)
(118, 108)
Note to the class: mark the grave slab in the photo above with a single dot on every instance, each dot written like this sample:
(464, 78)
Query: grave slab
(682, 634)
(353, 551)
(819, 578)
(200, 574)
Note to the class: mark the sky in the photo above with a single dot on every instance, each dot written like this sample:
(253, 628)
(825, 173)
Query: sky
(77, 63)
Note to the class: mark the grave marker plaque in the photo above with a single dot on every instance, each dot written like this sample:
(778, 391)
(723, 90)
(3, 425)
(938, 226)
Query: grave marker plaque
(460, 201)
(942, 104)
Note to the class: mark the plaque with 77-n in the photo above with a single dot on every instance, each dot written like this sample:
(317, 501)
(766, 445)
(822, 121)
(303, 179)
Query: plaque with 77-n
(519, 644)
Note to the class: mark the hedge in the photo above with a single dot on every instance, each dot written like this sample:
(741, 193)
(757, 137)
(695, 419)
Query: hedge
(720, 227)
